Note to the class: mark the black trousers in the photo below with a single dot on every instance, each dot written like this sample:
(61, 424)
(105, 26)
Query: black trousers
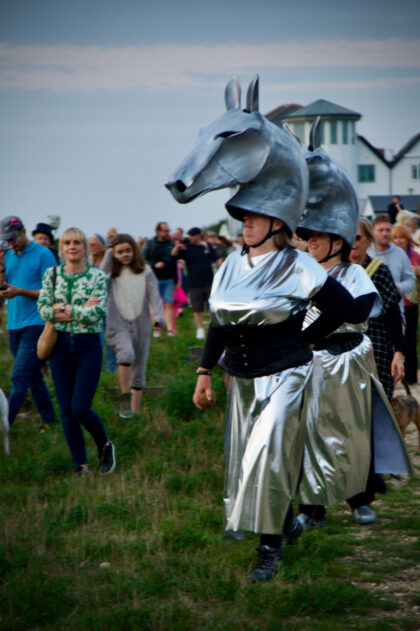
(411, 313)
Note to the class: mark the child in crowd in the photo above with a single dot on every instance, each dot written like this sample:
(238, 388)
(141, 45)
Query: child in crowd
(132, 294)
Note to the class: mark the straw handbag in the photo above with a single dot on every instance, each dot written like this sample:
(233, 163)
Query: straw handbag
(48, 337)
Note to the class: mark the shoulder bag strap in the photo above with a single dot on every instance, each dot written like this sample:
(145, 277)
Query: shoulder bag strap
(372, 267)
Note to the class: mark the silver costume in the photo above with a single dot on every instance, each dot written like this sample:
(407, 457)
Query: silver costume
(266, 425)
(343, 398)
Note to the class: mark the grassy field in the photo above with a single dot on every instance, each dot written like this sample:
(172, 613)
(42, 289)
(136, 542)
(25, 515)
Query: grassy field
(144, 548)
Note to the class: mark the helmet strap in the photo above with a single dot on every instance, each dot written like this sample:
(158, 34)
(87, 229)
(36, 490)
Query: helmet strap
(329, 255)
(270, 233)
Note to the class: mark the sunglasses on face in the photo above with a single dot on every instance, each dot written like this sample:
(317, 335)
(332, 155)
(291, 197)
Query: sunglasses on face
(358, 237)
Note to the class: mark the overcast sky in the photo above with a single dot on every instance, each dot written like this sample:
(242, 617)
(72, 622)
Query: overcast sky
(101, 100)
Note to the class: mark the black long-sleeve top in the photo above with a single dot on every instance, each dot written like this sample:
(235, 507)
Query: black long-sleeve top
(271, 348)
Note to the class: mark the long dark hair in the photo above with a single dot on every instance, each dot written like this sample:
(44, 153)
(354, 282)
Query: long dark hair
(138, 263)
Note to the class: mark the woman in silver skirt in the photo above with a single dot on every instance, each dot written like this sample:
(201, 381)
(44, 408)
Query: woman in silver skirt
(352, 435)
(258, 304)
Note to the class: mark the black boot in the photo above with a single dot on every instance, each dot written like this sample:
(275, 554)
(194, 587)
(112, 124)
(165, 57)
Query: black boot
(292, 528)
(293, 531)
(267, 564)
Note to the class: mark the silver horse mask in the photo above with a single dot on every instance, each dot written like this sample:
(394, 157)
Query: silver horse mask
(242, 148)
(332, 201)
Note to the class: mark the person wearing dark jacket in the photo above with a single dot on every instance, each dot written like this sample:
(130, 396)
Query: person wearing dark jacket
(158, 253)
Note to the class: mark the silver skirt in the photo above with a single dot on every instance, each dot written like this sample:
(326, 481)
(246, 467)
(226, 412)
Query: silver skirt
(264, 449)
(343, 399)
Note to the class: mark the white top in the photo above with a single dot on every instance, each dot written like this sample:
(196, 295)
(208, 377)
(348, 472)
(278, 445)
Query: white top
(129, 291)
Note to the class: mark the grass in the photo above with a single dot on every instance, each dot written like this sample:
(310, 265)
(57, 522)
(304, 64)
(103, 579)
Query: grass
(144, 547)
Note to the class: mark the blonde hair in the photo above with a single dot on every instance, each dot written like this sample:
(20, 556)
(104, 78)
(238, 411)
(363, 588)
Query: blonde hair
(405, 218)
(366, 227)
(402, 231)
(72, 232)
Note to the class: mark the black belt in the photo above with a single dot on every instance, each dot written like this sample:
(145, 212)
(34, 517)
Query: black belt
(255, 351)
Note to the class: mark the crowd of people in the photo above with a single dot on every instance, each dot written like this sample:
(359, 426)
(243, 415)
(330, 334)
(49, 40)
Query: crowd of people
(99, 292)
(275, 338)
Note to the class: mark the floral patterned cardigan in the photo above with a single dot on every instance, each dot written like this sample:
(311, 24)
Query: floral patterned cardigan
(75, 291)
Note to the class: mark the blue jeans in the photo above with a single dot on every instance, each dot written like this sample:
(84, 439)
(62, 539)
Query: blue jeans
(166, 290)
(26, 374)
(76, 363)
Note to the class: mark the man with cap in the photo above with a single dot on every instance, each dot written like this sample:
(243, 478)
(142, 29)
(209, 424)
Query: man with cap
(43, 234)
(22, 267)
(198, 256)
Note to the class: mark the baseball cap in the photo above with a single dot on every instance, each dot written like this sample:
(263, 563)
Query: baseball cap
(8, 227)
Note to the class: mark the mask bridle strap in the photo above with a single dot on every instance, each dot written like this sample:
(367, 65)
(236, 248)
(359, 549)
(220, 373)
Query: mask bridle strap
(329, 255)
(270, 233)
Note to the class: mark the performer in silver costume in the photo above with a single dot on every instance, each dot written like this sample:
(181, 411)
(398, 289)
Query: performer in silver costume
(345, 404)
(258, 303)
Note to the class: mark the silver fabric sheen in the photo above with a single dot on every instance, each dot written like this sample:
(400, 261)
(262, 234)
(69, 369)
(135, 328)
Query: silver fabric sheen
(266, 425)
(342, 399)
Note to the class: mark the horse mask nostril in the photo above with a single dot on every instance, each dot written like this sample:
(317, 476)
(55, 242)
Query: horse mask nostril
(180, 186)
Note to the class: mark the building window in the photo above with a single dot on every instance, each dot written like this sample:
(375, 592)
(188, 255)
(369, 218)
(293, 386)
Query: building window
(345, 128)
(300, 131)
(353, 134)
(415, 171)
(333, 132)
(366, 173)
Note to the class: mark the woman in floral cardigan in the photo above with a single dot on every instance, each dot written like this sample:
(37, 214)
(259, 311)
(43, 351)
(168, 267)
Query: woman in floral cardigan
(76, 303)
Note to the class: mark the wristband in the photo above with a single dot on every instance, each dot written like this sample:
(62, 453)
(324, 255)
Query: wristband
(203, 372)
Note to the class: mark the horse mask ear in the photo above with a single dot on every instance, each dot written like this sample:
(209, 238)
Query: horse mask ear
(233, 94)
(315, 134)
(288, 130)
(319, 166)
(252, 95)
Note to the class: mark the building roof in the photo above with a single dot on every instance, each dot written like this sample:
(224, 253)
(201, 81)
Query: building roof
(406, 148)
(380, 203)
(380, 153)
(324, 108)
(277, 115)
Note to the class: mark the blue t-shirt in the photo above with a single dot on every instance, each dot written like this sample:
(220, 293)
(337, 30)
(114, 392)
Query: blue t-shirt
(26, 271)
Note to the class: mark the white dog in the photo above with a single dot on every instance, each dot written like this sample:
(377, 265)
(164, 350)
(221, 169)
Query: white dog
(4, 420)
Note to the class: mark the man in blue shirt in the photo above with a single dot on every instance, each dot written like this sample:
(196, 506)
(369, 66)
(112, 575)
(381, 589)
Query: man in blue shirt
(22, 267)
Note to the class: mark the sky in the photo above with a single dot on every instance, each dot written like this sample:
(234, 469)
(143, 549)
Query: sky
(101, 100)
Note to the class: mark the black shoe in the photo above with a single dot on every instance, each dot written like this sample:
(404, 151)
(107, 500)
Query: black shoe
(107, 460)
(293, 532)
(267, 564)
(314, 524)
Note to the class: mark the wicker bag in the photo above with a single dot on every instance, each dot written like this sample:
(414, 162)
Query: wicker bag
(48, 337)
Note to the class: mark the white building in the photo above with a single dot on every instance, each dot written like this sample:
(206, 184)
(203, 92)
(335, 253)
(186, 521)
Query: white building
(372, 172)
(375, 175)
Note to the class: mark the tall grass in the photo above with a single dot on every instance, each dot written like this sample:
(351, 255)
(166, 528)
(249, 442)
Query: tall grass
(144, 548)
